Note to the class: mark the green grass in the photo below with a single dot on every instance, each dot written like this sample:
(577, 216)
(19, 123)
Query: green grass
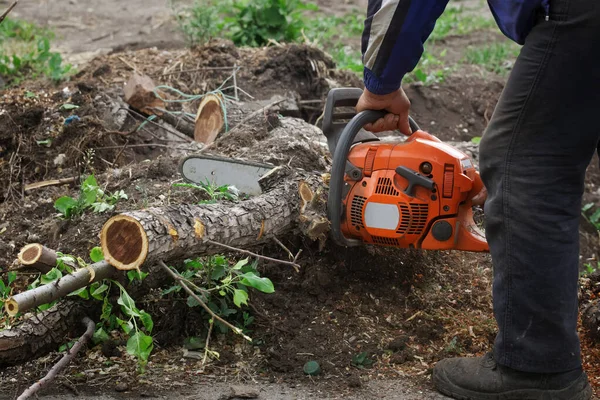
(456, 21)
(495, 57)
(25, 53)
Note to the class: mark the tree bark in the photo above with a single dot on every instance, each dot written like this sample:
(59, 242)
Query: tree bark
(39, 334)
(45, 294)
(145, 236)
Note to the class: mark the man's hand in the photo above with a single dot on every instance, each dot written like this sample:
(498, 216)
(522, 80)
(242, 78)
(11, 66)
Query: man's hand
(480, 198)
(396, 103)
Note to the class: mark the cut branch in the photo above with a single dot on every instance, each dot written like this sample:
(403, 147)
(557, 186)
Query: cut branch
(185, 287)
(64, 361)
(275, 260)
(37, 256)
(133, 238)
(209, 119)
(53, 291)
(5, 14)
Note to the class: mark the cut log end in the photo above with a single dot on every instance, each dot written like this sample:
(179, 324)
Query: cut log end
(209, 119)
(11, 307)
(124, 242)
(30, 254)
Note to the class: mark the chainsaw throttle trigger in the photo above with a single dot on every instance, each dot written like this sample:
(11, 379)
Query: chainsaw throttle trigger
(414, 179)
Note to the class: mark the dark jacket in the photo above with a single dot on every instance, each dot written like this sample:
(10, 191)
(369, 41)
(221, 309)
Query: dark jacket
(395, 31)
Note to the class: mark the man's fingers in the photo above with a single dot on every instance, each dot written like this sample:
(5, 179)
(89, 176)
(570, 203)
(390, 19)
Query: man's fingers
(403, 125)
(388, 123)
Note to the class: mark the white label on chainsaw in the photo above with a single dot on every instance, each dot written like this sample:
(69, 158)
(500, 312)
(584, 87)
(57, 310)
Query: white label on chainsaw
(382, 216)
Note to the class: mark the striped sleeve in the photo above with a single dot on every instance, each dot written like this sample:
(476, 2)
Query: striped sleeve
(393, 38)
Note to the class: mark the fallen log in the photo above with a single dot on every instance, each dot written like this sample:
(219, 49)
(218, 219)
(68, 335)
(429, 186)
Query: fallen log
(45, 294)
(37, 256)
(39, 334)
(133, 238)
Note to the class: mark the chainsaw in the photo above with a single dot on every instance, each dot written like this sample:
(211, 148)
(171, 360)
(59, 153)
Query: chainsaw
(415, 193)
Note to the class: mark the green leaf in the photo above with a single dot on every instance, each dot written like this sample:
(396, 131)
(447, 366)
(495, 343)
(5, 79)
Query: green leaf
(81, 292)
(136, 275)
(51, 276)
(106, 310)
(65, 205)
(192, 302)
(193, 343)
(11, 277)
(171, 290)
(587, 207)
(3, 291)
(127, 303)
(68, 106)
(147, 321)
(420, 75)
(193, 264)
(97, 293)
(476, 139)
(101, 207)
(127, 326)
(96, 255)
(218, 272)
(240, 264)
(252, 280)
(100, 336)
(140, 345)
(240, 297)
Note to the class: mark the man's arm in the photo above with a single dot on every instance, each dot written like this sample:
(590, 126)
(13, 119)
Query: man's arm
(392, 42)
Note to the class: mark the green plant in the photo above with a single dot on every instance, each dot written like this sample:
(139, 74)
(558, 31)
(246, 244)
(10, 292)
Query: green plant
(362, 360)
(214, 192)
(457, 21)
(91, 196)
(429, 70)
(25, 52)
(496, 57)
(5, 289)
(256, 22)
(201, 22)
(591, 215)
(223, 287)
(590, 269)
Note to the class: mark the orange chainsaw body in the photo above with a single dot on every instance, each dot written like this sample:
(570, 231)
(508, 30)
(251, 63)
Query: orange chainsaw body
(383, 208)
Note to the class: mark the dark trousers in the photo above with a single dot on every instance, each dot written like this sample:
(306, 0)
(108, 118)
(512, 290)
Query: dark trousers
(534, 154)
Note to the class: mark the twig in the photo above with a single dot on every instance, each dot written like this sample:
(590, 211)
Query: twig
(170, 146)
(283, 247)
(197, 70)
(174, 132)
(185, 287)
(293, 264)
(130, 65)
(210, 328)
(3, 16)
(64, 361)
(53, 182)
(235, 87)
(245, 120)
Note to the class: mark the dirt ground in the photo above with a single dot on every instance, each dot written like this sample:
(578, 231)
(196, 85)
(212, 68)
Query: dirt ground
(406, 309)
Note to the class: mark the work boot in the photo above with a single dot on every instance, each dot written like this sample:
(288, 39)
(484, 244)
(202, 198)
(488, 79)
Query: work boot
(482, 378)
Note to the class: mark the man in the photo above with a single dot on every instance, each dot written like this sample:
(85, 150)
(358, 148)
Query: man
(533, 158)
